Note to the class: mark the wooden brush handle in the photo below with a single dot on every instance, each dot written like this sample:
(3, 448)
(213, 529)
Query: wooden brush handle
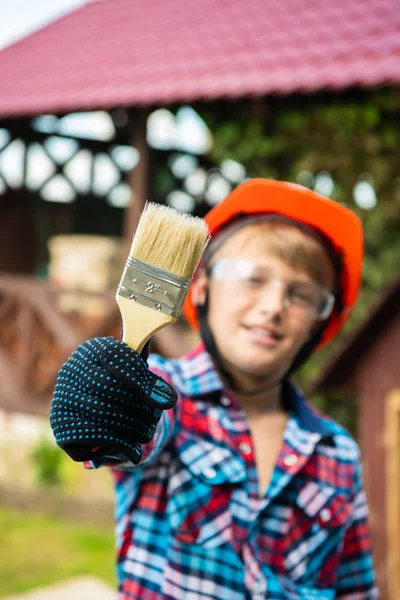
(140, 322)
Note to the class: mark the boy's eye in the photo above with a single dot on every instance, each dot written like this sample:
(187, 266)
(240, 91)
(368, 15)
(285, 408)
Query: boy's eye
(254, 280)
(303, 294)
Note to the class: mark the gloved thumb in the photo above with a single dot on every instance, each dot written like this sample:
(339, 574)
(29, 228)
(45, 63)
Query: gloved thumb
(162, 394)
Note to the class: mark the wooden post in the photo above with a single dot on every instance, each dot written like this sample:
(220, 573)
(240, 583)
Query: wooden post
(392, 443)
(140, 175)
(17, 232)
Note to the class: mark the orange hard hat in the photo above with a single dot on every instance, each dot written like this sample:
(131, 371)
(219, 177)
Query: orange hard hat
(337, 223)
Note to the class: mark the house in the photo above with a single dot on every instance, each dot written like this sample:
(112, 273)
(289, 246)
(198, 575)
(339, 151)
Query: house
(367, 368)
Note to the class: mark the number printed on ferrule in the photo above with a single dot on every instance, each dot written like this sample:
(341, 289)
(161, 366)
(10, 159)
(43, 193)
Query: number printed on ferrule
(153, 287)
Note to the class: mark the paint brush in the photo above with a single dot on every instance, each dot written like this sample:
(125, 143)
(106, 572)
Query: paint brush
(165, 252)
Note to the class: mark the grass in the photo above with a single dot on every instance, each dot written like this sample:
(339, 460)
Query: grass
(37, 550)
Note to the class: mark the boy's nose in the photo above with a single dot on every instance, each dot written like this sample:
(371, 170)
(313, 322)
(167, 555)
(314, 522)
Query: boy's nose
(272, 298)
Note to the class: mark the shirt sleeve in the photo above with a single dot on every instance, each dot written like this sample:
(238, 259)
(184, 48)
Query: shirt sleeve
(163, 434)
(356, 575)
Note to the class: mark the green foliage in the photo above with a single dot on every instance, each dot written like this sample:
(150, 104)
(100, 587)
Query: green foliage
(353, 136)
(48, 460)
(341, 407)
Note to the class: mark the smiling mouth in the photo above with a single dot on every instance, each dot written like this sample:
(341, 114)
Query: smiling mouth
(263, 336)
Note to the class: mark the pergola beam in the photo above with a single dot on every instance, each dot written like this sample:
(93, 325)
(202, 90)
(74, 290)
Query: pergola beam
(139, 179)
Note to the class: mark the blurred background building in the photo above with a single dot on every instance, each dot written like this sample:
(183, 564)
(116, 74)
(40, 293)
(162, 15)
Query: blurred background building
(178, 102)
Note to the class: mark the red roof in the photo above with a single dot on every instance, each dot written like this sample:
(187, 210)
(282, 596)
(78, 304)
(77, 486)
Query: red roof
(143, 52)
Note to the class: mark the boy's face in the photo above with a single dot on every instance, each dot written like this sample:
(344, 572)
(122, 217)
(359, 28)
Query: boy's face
(258, 333)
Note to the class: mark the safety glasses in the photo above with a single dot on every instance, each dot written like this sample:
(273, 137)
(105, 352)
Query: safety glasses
(306, 299)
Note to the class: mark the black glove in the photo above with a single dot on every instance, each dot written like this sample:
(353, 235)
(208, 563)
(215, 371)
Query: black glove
(107, 399)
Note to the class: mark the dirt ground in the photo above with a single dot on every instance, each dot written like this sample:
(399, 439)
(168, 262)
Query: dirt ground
(81, 588)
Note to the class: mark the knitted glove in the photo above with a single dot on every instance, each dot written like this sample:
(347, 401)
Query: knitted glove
(106, 401)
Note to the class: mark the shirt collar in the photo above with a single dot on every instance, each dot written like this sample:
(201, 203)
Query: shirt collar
(306, 414)
(197, 373)
(198, 377)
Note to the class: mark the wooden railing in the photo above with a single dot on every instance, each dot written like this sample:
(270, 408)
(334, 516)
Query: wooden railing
(36, 337)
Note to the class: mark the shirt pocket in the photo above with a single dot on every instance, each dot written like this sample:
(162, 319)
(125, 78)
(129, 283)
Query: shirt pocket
(200, 491)
(315, 533)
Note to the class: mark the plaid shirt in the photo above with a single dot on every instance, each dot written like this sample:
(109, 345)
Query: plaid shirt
(192, 525)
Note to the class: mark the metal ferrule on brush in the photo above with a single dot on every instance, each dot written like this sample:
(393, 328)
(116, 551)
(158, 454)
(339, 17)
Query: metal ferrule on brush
(154, 287)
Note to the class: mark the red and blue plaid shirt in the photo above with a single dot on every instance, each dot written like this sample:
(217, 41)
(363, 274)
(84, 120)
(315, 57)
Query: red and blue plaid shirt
(190, 520)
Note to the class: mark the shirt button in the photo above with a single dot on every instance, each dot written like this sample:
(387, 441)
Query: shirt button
(245, 448)
(258, 587)
(226, 401)
(325, 515)
(209, 472)
(290, 460)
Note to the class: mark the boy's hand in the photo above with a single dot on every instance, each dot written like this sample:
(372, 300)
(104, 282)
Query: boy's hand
(107, 400)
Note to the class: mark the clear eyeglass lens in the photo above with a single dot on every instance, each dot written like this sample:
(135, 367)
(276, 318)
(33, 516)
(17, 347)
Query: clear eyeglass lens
(304, 296)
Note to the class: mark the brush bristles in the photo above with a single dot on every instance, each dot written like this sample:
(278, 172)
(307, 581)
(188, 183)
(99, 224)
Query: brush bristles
(170, 240)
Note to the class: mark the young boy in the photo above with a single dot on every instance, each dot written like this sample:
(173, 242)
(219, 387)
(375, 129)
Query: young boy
(242, 491)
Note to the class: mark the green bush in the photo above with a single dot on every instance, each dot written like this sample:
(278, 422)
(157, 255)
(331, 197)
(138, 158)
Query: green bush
(47, 459)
